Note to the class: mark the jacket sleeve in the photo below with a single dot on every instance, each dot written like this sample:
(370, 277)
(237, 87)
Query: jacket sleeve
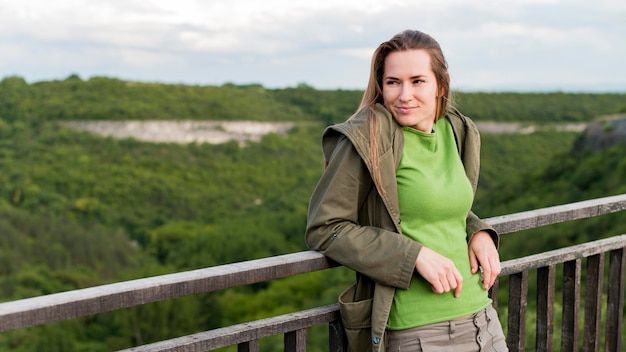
(470, 154)
(333, 223)
(475, 224)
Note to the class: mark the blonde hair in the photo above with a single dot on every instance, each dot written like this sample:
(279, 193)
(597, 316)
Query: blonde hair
(406, 40)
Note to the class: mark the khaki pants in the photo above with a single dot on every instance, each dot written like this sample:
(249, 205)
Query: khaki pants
(479, 332)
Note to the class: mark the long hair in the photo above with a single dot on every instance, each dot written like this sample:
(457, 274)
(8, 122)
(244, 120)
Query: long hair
(406, 40)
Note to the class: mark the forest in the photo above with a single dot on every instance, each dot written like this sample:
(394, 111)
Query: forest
(79, 210)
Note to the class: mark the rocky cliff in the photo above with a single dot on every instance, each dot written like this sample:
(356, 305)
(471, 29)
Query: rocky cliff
(603, 133)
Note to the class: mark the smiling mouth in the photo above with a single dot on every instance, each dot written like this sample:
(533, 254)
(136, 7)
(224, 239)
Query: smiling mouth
(406, 108)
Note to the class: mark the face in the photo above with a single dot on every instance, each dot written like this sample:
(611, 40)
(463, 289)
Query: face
(410, 89)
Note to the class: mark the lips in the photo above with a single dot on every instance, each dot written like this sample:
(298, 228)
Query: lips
(405, 109)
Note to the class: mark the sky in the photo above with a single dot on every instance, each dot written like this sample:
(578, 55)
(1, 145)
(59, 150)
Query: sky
(491, 45)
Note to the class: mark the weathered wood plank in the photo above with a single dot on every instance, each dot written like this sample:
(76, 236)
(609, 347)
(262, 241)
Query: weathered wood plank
(99, 299)
(78, 303)
(580, 251)
(72, 304)
(615, 300)
(556, 214)
(562, 255)
(518, 300)
(546, 278)
(242, 333)
(593, 303)
(571, 305)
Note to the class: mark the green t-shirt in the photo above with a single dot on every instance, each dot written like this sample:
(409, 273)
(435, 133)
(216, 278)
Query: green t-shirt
(435, 197)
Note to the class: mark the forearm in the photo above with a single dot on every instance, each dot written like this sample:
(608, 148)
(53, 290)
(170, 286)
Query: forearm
(474, 224)
(384, 256)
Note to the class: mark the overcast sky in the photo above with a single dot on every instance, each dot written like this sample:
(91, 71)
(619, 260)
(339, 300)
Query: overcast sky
(514, 45)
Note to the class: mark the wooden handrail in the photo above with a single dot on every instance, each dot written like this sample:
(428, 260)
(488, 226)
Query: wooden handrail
(562, 255)
(253, 330)
(105, 298)
(557, 214)
(99, 299)
(286, 323)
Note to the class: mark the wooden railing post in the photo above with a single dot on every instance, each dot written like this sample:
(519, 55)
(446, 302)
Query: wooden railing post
(593, 303)
(248, 346)
(493, 293)
(295, 341)
(518, 299)
(615, 300)
(546, 278)
(336, 337)
(571, 305)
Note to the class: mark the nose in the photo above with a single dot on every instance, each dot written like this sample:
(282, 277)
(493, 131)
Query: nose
(405, 93)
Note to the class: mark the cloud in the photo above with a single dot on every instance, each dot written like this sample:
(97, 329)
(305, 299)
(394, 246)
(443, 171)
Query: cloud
(325, 43)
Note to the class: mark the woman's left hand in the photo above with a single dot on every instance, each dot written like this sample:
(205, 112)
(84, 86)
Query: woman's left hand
(483, 252)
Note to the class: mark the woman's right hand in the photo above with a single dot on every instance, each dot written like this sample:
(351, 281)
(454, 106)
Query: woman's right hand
(439, 271)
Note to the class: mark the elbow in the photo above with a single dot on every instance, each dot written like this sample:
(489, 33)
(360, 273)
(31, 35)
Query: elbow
(319, 237)
(314, 239)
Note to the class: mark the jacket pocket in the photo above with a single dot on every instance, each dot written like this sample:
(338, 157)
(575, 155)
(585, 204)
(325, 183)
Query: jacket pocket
(356, 317)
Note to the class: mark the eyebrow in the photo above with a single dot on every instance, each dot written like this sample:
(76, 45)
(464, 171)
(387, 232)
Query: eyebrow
(412, 77)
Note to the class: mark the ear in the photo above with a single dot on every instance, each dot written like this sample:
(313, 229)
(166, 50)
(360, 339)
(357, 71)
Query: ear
(441, 91)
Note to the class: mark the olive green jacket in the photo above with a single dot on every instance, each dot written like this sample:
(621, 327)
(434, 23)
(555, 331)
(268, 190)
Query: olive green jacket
(357, 224)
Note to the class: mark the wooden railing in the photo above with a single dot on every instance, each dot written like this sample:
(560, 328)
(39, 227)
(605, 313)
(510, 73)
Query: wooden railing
(99, 299)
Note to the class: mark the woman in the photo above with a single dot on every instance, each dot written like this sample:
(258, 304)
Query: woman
(394, 205)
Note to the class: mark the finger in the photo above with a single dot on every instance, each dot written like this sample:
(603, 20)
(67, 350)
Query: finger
(459, 286)
(445, 284)
(437, 288)
(485, 274)
(473, 262)
(496, 267)
(495, 270)
(488, 275)
(491, 272)
(452, 281)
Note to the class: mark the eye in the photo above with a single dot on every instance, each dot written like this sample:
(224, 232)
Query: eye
(418, 81)
(390, 82)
